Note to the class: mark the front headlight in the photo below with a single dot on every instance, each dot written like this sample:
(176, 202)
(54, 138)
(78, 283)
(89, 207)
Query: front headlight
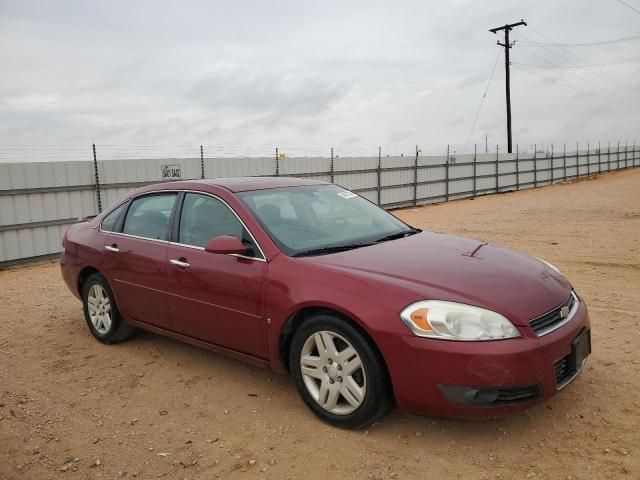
(456, 321)
(552, 267)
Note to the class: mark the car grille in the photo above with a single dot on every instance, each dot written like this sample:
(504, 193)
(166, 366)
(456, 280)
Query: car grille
(547, 322)
(562, 370)
(517, 395)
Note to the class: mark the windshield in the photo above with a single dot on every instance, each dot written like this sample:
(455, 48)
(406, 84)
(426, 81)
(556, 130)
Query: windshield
(320, 219)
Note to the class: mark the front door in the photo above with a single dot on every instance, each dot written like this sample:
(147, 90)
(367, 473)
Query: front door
(137, 259)
(213, 297)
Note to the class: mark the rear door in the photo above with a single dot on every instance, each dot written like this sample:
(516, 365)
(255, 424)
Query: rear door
(137, 258)
(213, 297)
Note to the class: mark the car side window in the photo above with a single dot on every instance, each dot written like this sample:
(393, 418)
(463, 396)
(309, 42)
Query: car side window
(149, 216)
(204, 218)
(109, 221)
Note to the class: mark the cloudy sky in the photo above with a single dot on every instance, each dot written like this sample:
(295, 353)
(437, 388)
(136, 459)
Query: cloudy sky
(307, 75)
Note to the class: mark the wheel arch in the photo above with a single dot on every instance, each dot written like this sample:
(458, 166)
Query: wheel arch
(84, 274)
(294, 322)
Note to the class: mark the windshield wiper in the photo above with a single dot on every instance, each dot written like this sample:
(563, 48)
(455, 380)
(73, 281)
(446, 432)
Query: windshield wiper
(334, 249)
(397, 235)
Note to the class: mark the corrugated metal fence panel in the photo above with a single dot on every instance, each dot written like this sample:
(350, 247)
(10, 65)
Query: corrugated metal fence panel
(582, 162)
(572, 164)
(397, 177)
(397, 196)
(30, 242)
(460, 171)
(358, 180)
(111, 195)
(525, 167)
(615, 156)
(343, 164)
(145, 170)
(544, 167)
(41, 197)
(486, 166)
(507, 173)
(47, 206)
(45, 174)
(432, 192)
(437, 168)
(304, 165)
(240, 167)
(397, 190)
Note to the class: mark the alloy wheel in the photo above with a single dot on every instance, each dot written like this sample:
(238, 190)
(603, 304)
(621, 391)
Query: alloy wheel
(99, 308)
(333, 372)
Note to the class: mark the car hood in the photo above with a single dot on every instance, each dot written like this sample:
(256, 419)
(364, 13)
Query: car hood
(444, 267)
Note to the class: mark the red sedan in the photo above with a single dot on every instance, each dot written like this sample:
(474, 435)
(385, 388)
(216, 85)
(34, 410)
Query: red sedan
(306, 277)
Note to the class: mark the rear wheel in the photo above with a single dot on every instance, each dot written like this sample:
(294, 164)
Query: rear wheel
(338, 372)
(101, 312)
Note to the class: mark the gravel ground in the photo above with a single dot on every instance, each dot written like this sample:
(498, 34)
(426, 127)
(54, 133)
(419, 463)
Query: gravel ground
(152, 407)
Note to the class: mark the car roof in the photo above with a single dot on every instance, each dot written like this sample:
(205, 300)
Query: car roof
(243, 184)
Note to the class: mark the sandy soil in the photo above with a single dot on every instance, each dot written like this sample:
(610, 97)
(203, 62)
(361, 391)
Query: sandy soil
(152, 407)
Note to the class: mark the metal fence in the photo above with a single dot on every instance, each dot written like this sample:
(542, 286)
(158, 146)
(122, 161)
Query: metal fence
(38, 200)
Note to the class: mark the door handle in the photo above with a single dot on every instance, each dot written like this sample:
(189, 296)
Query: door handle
(179, 263)
(112, 248)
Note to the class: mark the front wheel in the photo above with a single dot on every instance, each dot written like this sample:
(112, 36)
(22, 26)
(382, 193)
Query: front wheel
(338, 372)
(101, 312)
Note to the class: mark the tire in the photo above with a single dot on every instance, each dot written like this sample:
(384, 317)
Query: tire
(101, 312)
(363, 388)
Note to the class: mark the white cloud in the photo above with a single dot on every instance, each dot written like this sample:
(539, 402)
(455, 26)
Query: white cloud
(347, 74)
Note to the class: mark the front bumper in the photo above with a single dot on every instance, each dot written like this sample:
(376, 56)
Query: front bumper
(434, 377)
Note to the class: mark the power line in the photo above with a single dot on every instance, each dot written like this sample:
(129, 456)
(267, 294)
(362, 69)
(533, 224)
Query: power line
(629, 6)
(593, 71)
(573, 74)
(552, 80)
(484, 95)
(579, 66)
(587, 44)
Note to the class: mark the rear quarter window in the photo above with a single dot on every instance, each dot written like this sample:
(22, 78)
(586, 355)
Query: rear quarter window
(109, 222)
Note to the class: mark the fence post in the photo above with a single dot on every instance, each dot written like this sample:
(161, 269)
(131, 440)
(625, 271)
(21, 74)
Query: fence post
(564, 161)
(379, 176)
(599, 158)
(609, 156)
(618, 156)
(577, 159)
(535, 165)
(588, 159)
(626, 151)
(95, 168)
(517, 167)
(634, 153)
(446, 184)
(415, 177)
(201, 162)
(497, 177)
(277, 163)
(475, 168)
(552, 173)
(332, 165)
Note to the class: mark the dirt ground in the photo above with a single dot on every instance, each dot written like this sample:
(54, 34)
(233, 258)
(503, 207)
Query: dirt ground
(154, 408)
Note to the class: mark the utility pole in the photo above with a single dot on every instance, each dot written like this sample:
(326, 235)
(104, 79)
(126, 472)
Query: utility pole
(507, 46)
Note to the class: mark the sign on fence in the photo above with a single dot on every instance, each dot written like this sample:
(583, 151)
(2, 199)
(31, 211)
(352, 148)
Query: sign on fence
(171, 172)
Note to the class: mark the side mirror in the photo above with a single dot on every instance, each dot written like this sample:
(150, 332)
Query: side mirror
(226, 245)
